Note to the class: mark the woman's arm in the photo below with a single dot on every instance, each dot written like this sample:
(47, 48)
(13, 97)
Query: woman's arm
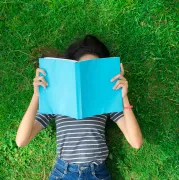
(128, 123)
(133, 129)
(129, 126)
(26, 125)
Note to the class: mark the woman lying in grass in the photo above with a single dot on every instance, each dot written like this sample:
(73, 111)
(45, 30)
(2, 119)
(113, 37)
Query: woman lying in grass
(81, 145)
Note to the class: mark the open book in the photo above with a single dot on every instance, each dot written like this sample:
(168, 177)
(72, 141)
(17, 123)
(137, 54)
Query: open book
(80, 89)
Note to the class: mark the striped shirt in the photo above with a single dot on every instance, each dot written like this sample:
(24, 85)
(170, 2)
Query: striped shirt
(80, 141)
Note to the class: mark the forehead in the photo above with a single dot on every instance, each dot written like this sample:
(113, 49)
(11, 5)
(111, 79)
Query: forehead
(88, 56)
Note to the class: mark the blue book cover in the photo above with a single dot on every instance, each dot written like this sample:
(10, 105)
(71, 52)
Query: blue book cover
(80, 89)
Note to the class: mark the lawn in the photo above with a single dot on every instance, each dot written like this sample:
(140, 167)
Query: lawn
(145, 34)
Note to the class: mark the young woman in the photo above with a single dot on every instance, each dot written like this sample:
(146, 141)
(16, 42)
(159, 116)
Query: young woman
(81, 144)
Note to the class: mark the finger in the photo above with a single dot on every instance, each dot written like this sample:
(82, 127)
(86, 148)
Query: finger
(122, 69)
(117, 76)
(40, 70)
(119, 86)
(115, 86)
(122, 77)
(40, 78)
(123, 82)
(39, 83)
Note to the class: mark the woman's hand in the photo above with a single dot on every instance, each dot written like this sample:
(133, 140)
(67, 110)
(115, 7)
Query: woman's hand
(39, 80)
(121, 83)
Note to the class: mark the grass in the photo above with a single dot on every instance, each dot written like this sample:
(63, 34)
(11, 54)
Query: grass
(145, 34)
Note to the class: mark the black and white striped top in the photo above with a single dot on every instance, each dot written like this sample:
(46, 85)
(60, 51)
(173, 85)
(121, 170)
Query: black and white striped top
(80, 141)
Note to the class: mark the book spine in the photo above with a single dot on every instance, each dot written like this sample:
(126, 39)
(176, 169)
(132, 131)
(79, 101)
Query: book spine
(78, 90)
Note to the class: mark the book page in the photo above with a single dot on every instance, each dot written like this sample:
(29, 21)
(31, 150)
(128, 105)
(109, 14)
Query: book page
(60, 95)
(97, 94)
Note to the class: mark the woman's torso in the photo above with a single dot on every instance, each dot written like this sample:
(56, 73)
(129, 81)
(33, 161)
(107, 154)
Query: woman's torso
(81, 141)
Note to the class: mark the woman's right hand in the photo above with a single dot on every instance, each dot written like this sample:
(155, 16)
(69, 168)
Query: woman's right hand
(39, 80)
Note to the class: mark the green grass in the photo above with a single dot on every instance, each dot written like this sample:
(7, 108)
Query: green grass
(145, 34)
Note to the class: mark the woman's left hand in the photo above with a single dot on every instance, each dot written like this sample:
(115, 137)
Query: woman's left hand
(121, 83)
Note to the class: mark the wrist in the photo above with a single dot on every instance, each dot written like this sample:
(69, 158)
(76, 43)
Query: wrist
(35, 95)
(126, 101)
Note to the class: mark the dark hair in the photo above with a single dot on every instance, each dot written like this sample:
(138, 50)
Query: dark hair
(89, 45)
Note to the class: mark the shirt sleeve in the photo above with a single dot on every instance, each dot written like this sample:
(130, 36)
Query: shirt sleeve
(44, 119)
(115, 116)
